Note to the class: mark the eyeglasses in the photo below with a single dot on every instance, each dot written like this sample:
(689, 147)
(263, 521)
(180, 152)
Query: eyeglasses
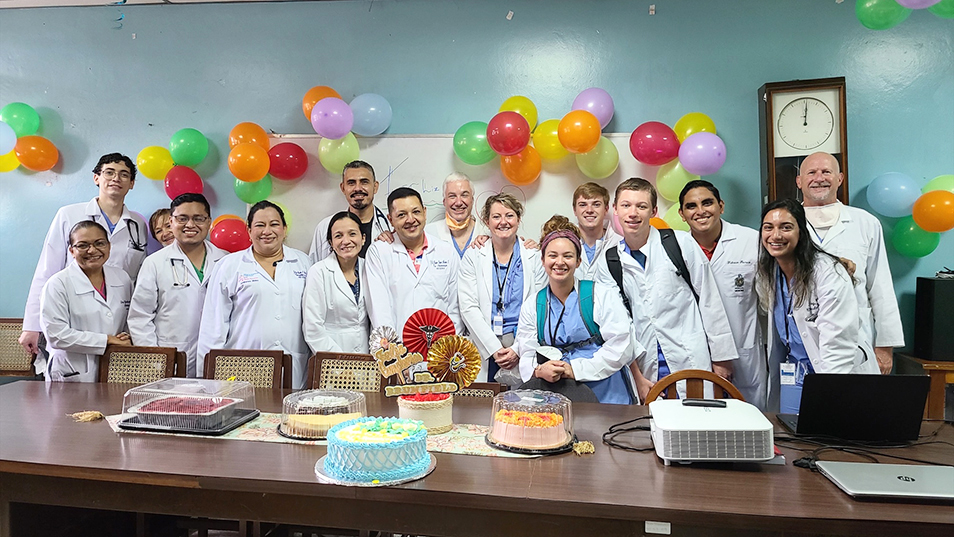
(110, 173)
(101, 244)
(184, 219)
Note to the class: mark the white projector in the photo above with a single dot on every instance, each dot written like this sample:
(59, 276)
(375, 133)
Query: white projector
(710, 430)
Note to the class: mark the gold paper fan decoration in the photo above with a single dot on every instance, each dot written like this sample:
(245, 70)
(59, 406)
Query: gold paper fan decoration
(454, 359)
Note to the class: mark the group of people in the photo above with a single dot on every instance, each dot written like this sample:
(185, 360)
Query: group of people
(614, 312)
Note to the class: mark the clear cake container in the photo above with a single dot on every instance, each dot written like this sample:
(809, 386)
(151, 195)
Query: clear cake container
(189, 404)
(310, 414)
(531, 421)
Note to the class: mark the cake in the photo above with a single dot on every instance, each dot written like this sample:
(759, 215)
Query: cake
(371, 450)
(311, 413)
(531, 419)
(183, 411)
(435, 410)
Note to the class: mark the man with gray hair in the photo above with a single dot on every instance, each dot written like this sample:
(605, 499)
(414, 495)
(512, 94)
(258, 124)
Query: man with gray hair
(459, 225)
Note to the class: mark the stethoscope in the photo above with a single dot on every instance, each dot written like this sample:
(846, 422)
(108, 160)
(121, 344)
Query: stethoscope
(135, 241)
(175, 275)
(378, 215)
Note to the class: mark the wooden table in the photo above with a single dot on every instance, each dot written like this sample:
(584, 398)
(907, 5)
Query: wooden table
(46, 458)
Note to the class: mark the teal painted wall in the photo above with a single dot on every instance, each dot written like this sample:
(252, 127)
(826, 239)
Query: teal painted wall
(100, 88)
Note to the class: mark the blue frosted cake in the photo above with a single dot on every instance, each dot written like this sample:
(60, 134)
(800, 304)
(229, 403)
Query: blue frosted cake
(368, 450)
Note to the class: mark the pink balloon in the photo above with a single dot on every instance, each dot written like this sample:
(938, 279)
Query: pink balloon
(917, 4)
(332, 118)
(617, 227)
(654, 143)
(181, 180)
(287, 161)
(597, 102)
(703, 153)
(508, 133)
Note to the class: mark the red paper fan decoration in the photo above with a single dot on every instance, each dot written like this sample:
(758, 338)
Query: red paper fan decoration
(424, 327)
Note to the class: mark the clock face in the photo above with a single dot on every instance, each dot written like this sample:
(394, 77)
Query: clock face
(805, 123)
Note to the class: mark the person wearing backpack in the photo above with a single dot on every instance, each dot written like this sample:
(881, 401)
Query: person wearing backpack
(674, 302)
(584, 321)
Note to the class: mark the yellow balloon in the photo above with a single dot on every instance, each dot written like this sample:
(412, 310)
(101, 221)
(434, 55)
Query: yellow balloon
(154, 162)
(522, 106)
(546, 140)
(9, 162)
(692, 123)
(674, 220)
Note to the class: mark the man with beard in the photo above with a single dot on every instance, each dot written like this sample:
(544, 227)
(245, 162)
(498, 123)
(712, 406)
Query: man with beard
(359, 187)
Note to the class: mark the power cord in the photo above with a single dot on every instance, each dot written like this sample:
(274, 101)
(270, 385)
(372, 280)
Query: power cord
(609, 437)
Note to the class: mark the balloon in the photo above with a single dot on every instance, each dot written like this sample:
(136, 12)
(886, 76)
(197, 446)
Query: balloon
(579, 131)
(154, 162)
(372, 114)
(671, 178)
(658, 223)
(252, 193)
(917, 4)
(522, 168)
(508, 133)
(601, 161)
(703, 153)
(227, 217)
(943, 9)
(248, 162)
(614, 219)
(880, 14)
(692, 123)
(597, 102)
(36, 153)
(21, 117)
(654, 143)
(314, 95)
(248, 132)
(522, 106)
(334, 154)
(934, 211)
(188, 147)
(892, 194)
(230, 235)
(332, 118)
(287, 161)
(8, 138)
(9, 162)
(941, 182)
(912, 241)
(470, 144)
(546, 140)
(673, 218)
(181, 180)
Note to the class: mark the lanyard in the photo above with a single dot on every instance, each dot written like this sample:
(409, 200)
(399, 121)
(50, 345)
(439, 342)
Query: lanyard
(501, 284)
(554, 328)
(460, 251)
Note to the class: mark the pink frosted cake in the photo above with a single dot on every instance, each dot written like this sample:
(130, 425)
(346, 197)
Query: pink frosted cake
(531, 419)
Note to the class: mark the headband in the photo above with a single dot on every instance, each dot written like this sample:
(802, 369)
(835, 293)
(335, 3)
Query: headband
(562, 234)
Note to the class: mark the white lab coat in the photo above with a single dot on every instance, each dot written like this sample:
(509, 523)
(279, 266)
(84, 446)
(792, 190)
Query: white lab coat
(609, 314)
(439, 229)
(246, 309)
(587, 270)
(829, 326)
(396, 291)
(320, 249)
(857, 236)
(691, 336)
(76, 320)
(734, 265)
(475, 294)
(167, 304)
(333, 320)
(127, 251)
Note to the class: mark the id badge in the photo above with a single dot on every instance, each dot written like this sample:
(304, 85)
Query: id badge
(787, 373)
(498, 324)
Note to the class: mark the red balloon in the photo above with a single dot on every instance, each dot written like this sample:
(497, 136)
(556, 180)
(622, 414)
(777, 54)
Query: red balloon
(287, 161)
(654, 143)
(508, 133)
(181, 180)
(230, 235)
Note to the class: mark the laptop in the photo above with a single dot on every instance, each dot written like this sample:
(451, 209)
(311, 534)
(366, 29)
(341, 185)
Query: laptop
(864, 408)
(867, 480)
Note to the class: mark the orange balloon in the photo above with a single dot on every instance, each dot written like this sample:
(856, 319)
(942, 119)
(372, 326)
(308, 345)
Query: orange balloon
(579, 131)
(658, 223)
(314, 95)
(36, 153)
(249, 133)
(248, 162)
(522, 168)
(226, 217)
(933, 211)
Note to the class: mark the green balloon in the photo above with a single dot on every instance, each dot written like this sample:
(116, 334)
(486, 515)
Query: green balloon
(188, 147)
(941, 182)
(254, 192)
(671, 178)
(912, 241)
(674, 220)
(334, 154)
(943, 9)
(599, 162)
(21, 117)
(470, 144)
(880, 14)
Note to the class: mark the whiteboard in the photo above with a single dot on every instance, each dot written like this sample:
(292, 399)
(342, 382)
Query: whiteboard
(422, 162)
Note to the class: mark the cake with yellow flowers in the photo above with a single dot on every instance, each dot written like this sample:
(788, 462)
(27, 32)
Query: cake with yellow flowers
(369, 450)
(531, 419)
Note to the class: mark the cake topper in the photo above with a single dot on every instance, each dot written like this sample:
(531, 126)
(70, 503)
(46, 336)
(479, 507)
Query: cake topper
(453, 362)
(424, 327)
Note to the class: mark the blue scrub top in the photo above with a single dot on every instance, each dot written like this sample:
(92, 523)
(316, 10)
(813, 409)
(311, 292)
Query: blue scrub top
(513, 290)
(787, 330)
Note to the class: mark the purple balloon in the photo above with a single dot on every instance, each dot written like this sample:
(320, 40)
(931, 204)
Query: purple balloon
(332, 118)
(703, 153)
(917, 4)
(597, 102)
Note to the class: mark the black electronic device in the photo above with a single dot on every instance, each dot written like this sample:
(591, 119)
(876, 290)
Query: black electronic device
(933, 312)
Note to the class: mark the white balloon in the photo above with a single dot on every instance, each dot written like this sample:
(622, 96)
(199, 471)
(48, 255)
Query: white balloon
(8, 138)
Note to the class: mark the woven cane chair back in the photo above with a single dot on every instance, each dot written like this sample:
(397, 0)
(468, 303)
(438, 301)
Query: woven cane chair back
(263, 369)
(482, 389)
(14, 361)
(136, 365)
(341, 371)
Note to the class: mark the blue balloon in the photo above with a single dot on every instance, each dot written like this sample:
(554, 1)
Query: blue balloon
(8, 138)
(372, 114)
(893, 194)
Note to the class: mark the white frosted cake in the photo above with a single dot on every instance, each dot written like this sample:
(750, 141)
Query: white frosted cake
(311, 413)
(435, 410)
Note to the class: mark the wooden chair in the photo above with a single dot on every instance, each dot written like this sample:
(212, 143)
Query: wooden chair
(695, 385)
(264, 369)
(182, 367)
(482, 389)
(343, 371)
(14, 361)
(139, 365)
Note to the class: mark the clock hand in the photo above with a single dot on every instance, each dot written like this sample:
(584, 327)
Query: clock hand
(805, 115)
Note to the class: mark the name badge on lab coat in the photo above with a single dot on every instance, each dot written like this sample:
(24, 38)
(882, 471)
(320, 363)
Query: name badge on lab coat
(787, 373)
(498, 323)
